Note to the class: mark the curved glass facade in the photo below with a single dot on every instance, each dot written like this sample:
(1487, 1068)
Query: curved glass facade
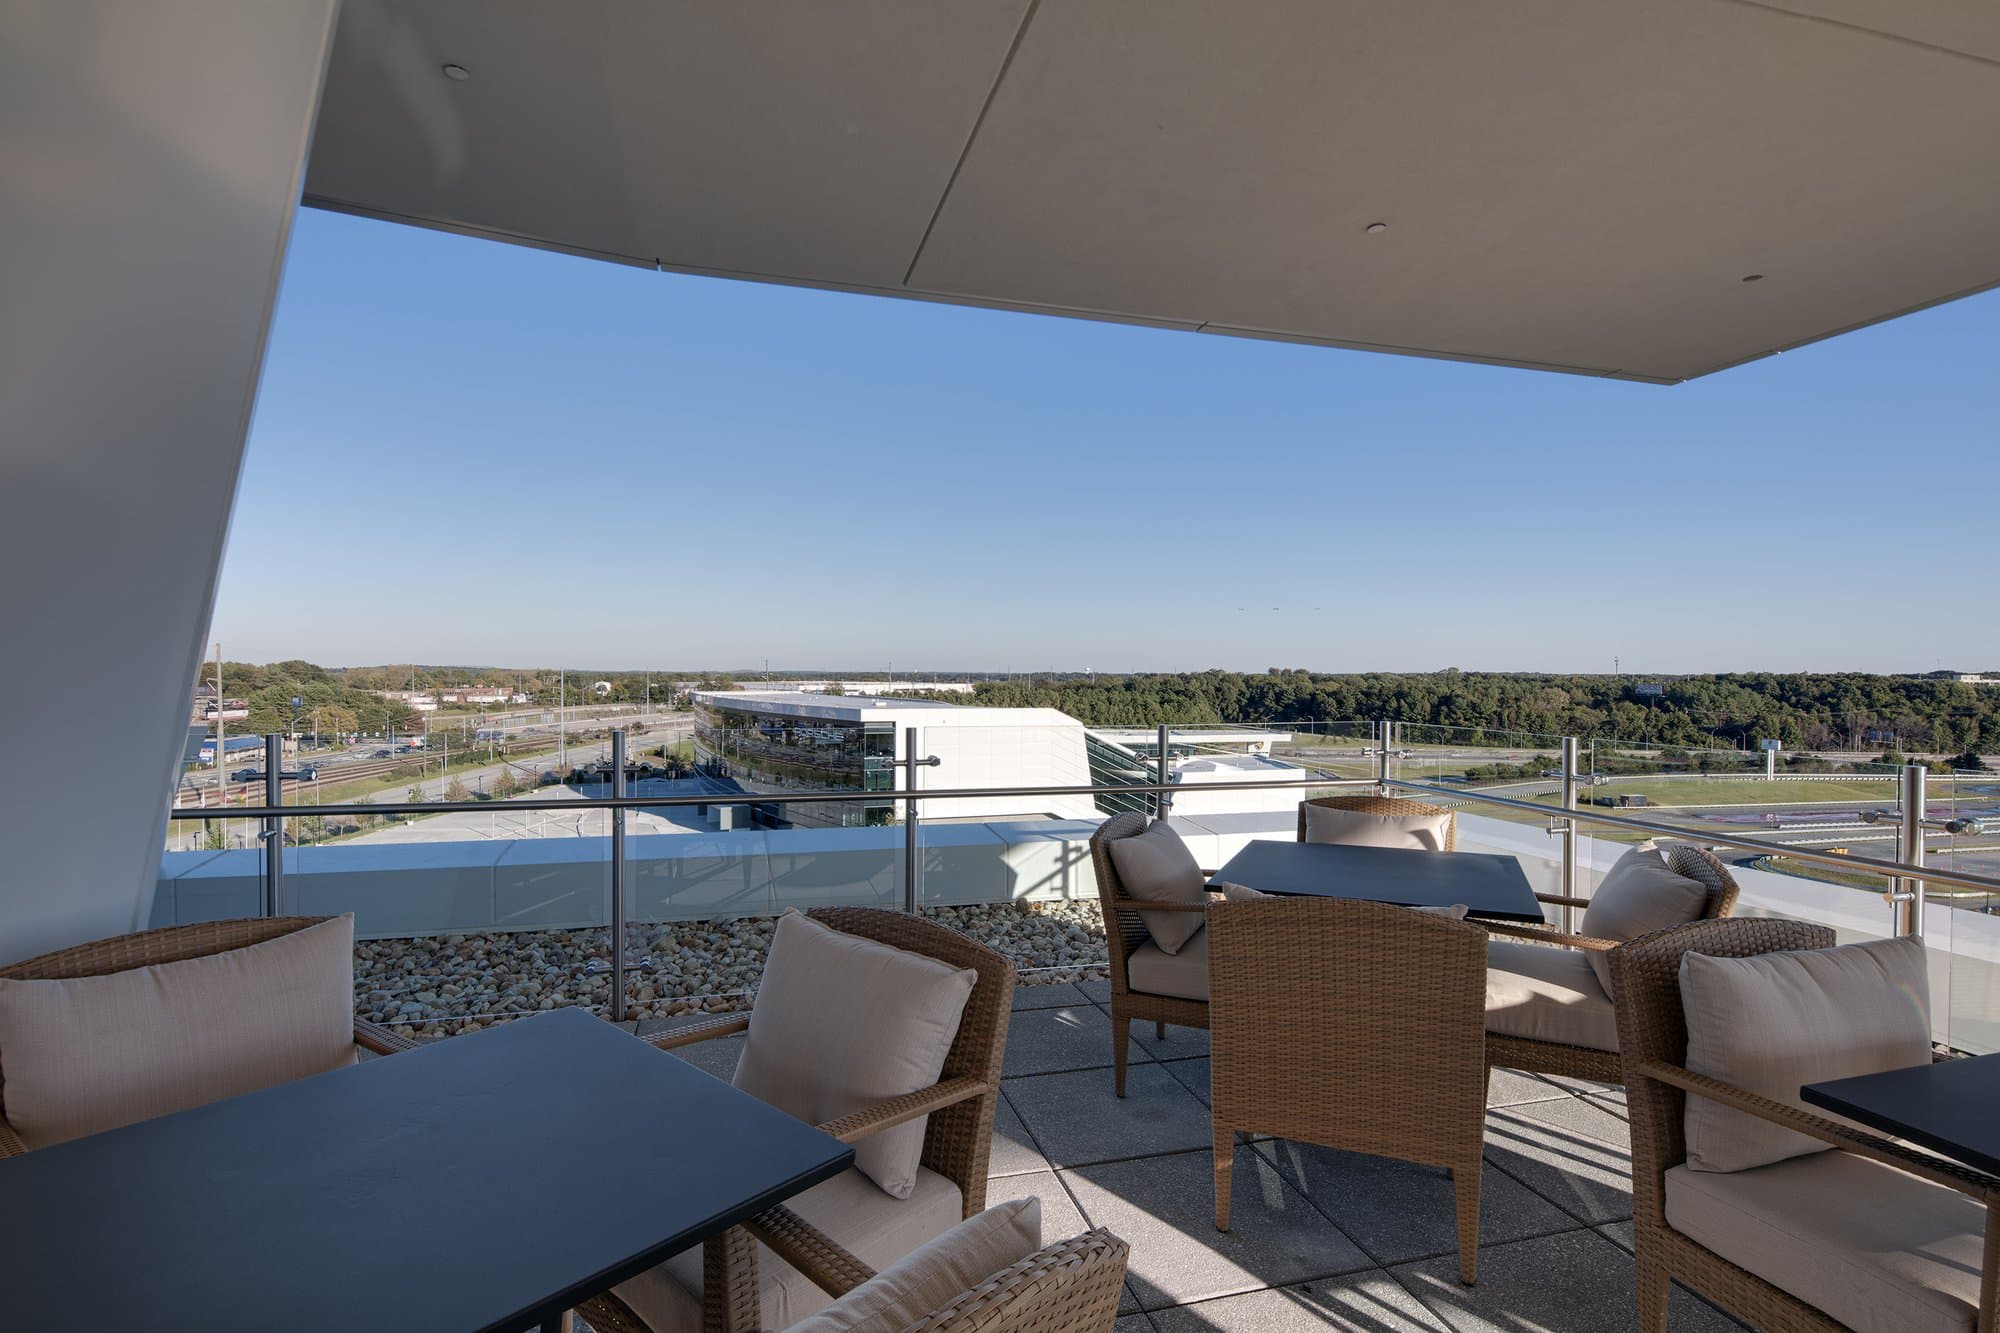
(767, 752)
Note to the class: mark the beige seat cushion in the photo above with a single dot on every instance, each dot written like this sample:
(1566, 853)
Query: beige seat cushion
(1424, 833)
(840, 1023)
(1638, 896)
(1156, 866)
(933, 1275)
(1185, 974)
(851, 1208)
(88, 1054)
(1777, 1021)
(1875, 1248)
(1547, 994)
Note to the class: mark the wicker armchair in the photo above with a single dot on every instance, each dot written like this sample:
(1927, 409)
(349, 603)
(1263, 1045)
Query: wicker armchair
(1577, 1061)
(958, 1139)
(1350, 1024)
(172, 944)
(1124, 932)
(1393, 806)
(1070, 1286)
(1653, 1034)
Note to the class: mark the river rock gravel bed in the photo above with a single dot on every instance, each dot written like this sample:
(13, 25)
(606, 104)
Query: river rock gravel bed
(444, 985)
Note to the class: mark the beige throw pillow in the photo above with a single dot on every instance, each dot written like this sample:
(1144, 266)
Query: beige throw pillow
(1423, 833)
(88, 1054)
(1775, 1022)
(935, 1274)
(841, 1023)
(1638, 896)
(1156, 866)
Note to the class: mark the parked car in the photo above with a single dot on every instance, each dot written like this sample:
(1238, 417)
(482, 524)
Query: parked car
(246, 775)
(382, 754)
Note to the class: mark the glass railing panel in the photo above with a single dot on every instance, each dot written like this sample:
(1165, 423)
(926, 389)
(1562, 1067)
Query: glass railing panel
(1013, 871)
(1960, 922)
(1339, 749)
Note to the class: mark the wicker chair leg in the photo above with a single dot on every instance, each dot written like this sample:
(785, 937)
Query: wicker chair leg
(731, 1301)
(1652, 1288)
(1160, 1030)
(1121, 1036)
(1465, 1186)
(1225, 1165)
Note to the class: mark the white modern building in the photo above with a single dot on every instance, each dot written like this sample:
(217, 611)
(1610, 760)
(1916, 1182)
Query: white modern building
(771, 740)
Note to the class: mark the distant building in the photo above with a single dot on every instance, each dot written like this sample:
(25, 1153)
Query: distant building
(478, 695)
(774, 740)
(862, 687)
(1192, 773)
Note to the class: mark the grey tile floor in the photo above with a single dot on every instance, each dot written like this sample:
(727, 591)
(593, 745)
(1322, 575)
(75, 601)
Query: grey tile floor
(1318, 1239)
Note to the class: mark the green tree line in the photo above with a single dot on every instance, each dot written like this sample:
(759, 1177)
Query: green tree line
(1817, 712)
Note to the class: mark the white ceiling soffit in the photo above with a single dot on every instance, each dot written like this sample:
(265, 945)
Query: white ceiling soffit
(1576, 185)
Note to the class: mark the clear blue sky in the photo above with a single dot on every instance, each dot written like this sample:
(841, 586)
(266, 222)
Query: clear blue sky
(467, 452)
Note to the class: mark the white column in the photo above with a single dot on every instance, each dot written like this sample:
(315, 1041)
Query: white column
(152, 162)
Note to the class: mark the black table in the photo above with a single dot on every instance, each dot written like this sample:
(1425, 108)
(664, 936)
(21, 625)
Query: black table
(1490, 886)
(486, 1182)
(1951, 1108)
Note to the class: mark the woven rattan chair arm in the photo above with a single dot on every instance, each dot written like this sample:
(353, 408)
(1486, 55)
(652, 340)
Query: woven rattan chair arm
(893, 1111)
(1071, 1286)
(10, 1142)
(706, 1030)
(1206, 873)
(805, 1247)
(1547, 935)
(1937, 1170)
(608, 1314)
(373, 1037)
(1562, 900)
(1151, 905)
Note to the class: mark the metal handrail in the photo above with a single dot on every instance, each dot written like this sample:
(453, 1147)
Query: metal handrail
(728, 798)
(1892, 869)
(1889, 869)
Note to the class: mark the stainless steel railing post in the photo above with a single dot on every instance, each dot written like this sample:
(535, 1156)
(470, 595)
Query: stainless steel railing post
(1161, 801)
(1908, 895)
(912, 853)
(274, 825)
(1569, 831)
(1385, 744)
(618, 877)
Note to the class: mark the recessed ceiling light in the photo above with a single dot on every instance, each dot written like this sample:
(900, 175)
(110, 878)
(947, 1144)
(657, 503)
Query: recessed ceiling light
(458, 73)
(1753, 277)
(1376, 228)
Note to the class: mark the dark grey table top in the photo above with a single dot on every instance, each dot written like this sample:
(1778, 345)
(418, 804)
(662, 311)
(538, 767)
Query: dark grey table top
(1951, 1108)
(1489, 885)
(486, 1182)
